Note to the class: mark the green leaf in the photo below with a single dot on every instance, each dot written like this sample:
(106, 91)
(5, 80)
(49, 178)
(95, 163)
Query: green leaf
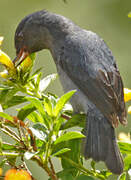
(37, 103)
(122, 176)
(15, 100)
(6, 116)
(38, 134)
(127, 162)
(93, 163)
(60, 152)
(66, 174)
(7, 146)
(40, 127)
(125, 147)
(12, 159)
(68, 136)
(35, 73)
(6, 95)
(28, 155)
(62, 101)
(25, 111)
(35, 117)
(84, 177)
(74, 154)
(33, 56)
(48, 106)
(3, 94)
(3, 87)
(3, 162)
(38, 78)
(44, 83)
(104, 174)
(39, 106)
(58, 124)
(75, 120)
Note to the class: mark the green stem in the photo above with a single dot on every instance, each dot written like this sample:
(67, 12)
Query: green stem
(45, 167)
(10, 131)
(9, 134)
(9, 154)
(83, 169)
(47, 152)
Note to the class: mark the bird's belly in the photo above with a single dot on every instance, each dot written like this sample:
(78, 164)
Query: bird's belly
(79, 101)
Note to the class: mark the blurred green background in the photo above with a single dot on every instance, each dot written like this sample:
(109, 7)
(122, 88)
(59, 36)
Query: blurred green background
(108, 18)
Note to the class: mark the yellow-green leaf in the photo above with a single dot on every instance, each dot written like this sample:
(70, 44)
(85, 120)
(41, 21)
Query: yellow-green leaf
(62, 101)
(6, 116)
(60, 152)
(68, 136)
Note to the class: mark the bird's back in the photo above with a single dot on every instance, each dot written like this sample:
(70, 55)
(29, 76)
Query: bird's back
(89, 63)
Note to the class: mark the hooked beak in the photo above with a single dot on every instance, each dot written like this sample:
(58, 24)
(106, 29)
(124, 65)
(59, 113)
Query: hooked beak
(20, 57)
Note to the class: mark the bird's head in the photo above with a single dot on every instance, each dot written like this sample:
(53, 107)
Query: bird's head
(41, 30)
(31, 35)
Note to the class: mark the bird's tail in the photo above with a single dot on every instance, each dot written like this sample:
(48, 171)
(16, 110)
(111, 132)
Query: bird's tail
(100, 143)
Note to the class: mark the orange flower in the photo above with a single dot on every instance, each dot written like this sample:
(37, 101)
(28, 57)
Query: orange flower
(13, 174)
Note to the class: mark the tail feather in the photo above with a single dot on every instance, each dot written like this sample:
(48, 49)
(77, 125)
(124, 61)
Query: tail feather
(100, 144)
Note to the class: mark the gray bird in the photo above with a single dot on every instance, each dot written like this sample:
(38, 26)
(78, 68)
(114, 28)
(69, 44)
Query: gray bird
(85, 63)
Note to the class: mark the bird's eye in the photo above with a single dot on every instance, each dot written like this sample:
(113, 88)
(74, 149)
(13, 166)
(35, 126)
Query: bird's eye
(20, 36)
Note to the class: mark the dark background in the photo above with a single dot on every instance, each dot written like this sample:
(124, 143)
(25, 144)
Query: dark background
(108, 18)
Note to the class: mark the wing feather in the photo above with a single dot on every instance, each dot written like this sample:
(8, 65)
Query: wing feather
(95, 73)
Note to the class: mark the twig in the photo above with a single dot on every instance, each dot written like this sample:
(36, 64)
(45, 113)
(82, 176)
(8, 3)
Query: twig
(19, 130)
(52, 167)
(45, 167)
(10, 131)
(9, 134)
(65, 117)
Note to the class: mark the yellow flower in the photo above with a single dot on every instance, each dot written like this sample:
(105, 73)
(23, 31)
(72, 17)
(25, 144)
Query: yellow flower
(1, 171)
(4, 74)
(6, 61)
(129, 110)
(1, 39)
(13, 174)
(127, 94)
(124, 137)
(129, 15)
(26, 64)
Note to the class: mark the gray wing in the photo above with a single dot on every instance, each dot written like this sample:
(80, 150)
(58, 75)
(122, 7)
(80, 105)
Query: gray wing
(91, 66)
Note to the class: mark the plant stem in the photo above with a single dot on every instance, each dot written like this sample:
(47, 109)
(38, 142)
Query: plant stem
(45, 167)
(83, 169)
(10, 131)
(8, 154)
(9, 134)
(47, 152)
(51, 165)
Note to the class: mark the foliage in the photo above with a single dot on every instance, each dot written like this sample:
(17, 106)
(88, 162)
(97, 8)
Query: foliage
(41, 129)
